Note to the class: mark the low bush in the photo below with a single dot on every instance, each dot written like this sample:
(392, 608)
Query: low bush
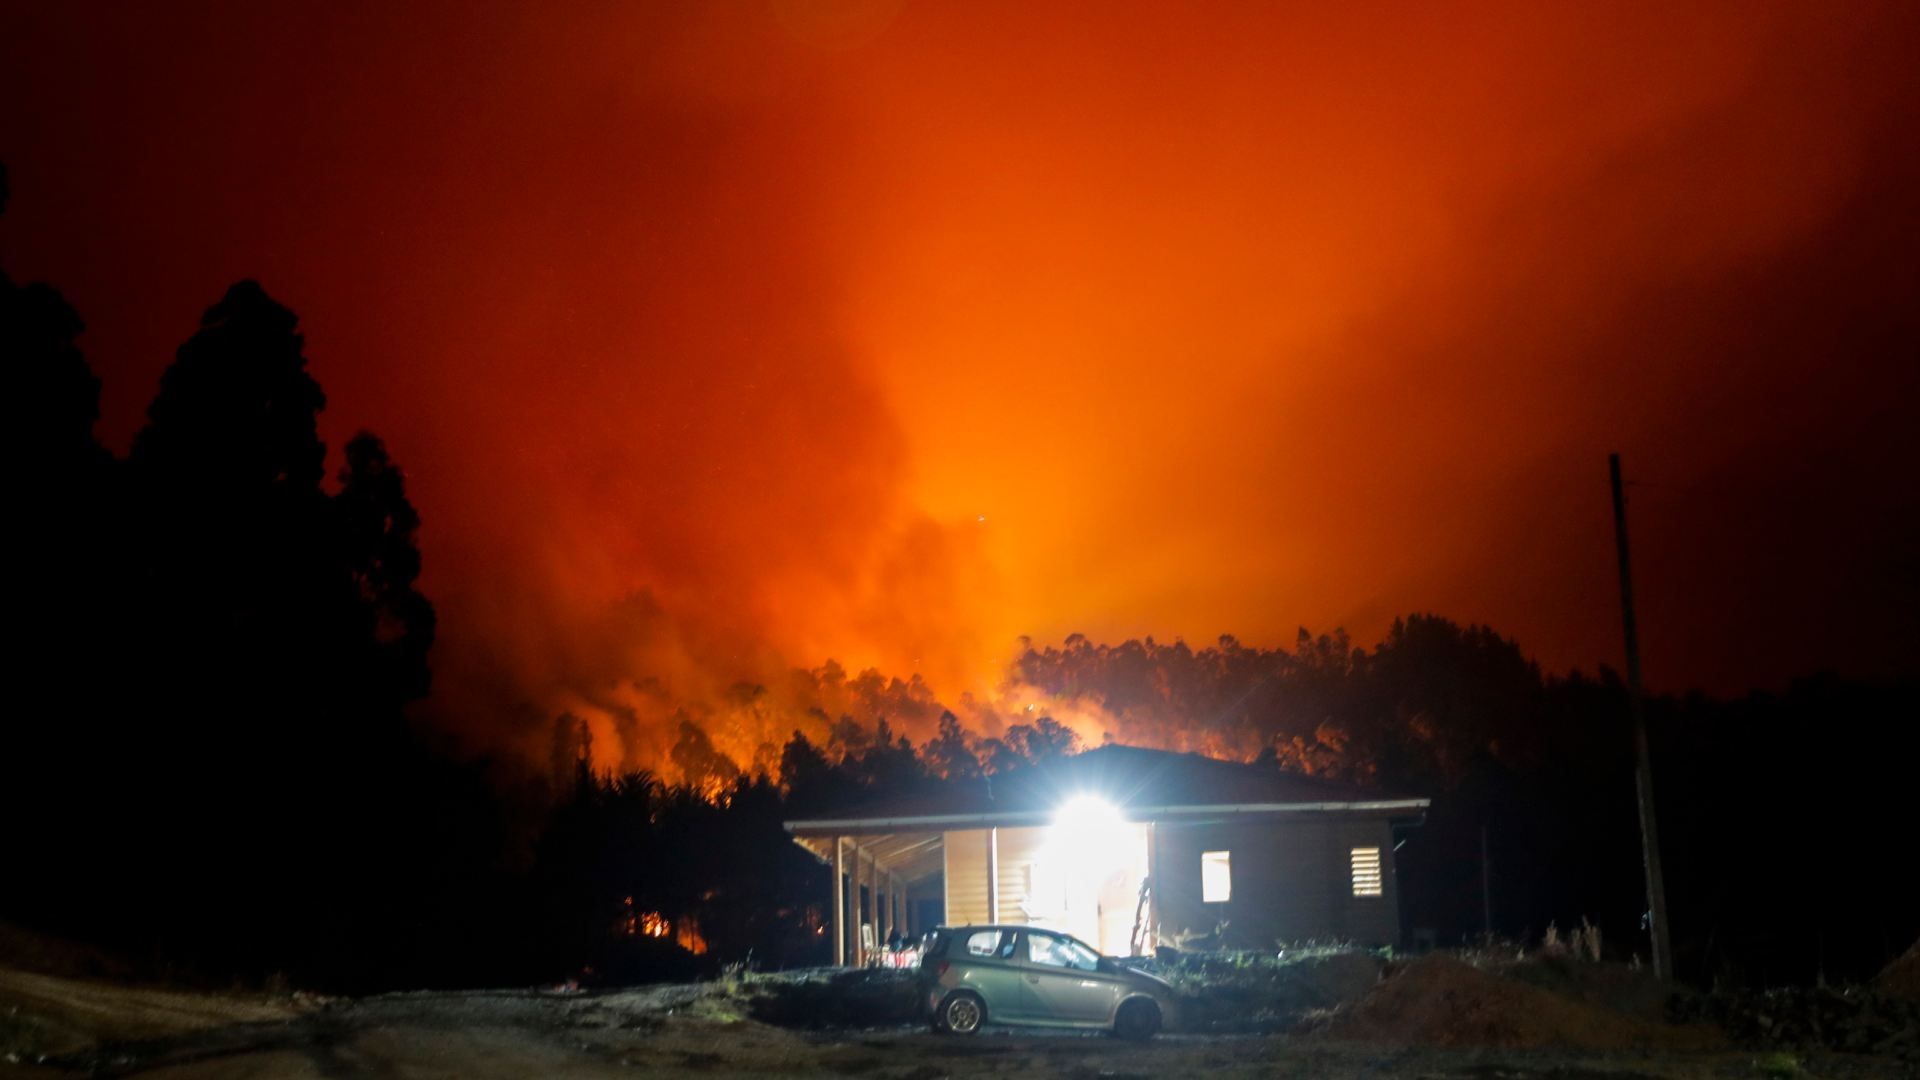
(872, 997)
(1264, 992)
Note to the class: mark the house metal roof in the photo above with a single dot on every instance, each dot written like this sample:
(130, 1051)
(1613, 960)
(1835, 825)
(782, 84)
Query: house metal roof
(1145, 785)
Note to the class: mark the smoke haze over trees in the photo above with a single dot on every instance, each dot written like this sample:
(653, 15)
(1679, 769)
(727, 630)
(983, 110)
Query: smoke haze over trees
(718, 343)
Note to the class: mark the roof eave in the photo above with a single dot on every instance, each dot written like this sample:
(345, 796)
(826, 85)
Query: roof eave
(1014, 818)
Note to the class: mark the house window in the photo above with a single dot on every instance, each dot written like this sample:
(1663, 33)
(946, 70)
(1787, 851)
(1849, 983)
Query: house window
(1216, 876)
(1366, 871)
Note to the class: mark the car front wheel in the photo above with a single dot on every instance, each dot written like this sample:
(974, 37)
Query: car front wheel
(963, 1013)
(1137, 1020)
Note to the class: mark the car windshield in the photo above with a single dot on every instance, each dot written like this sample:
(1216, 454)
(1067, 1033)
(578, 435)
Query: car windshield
(1062, 952)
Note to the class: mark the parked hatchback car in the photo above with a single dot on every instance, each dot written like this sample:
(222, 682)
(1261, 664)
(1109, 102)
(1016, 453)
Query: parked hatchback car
(975, 975)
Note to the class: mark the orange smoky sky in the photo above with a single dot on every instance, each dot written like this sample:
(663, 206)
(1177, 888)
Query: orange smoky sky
(719, 340)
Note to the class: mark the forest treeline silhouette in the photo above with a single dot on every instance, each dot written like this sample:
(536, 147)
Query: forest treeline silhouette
(209, 763)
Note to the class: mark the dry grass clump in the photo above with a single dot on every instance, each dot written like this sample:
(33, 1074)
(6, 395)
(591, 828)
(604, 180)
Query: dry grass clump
(1582, 942)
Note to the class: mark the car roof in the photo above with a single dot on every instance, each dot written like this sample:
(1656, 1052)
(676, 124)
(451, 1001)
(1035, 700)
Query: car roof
(977, 927)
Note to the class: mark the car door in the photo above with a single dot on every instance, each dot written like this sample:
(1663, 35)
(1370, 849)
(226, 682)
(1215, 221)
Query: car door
(991, 969)
(1063, 981)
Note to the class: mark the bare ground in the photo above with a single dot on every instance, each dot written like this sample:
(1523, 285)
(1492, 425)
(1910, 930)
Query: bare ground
(61, 1027)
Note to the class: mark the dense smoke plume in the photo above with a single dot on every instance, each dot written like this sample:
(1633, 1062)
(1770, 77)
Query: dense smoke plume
(719, 341)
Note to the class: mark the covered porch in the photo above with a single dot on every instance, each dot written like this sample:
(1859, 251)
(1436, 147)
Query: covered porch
(878, 878)
(1078, 868)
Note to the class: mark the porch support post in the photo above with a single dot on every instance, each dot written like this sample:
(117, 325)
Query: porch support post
(839, 901)
(855, 899)
(873, 894)
(859, 911)
(873, 908)
(1150, 944)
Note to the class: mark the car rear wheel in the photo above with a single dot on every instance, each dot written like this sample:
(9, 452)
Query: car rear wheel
(962, 1013)
(1137, 1020)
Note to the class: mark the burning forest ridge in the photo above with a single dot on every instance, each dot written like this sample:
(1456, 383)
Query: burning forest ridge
(1321, 708)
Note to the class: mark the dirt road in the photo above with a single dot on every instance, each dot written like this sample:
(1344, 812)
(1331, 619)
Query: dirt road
(53, 1027)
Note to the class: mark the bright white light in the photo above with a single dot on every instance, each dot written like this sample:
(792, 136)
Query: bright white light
(1086, 877)
(1087, 813)
(1091, 834)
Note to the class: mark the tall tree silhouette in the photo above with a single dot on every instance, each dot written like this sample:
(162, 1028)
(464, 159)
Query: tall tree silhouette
(805, 771)
(949, 754)
(53, 397)
(244, 602)
(378, 527)
(274, 633)
(237, 415)
(55, 613)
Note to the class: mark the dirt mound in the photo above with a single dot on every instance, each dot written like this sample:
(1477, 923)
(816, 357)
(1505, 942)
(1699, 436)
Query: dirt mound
(1901, 978)
(1613, 987)
(1338, 978)
(1440, 1001)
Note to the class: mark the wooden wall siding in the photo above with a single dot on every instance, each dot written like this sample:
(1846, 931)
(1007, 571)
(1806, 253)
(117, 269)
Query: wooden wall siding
(1291, 882)
(966, 874)
(1018, 850)
(966, 869)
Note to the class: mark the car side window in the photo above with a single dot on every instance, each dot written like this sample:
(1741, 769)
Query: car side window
(985, 943)
(1060, 952)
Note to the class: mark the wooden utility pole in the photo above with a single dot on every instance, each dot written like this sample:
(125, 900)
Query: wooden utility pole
(1643, 764)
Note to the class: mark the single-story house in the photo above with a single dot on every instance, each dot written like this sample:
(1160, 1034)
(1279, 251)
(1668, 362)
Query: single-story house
(1125, 848)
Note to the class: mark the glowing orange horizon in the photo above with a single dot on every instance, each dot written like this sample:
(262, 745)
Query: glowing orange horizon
(721, 341)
